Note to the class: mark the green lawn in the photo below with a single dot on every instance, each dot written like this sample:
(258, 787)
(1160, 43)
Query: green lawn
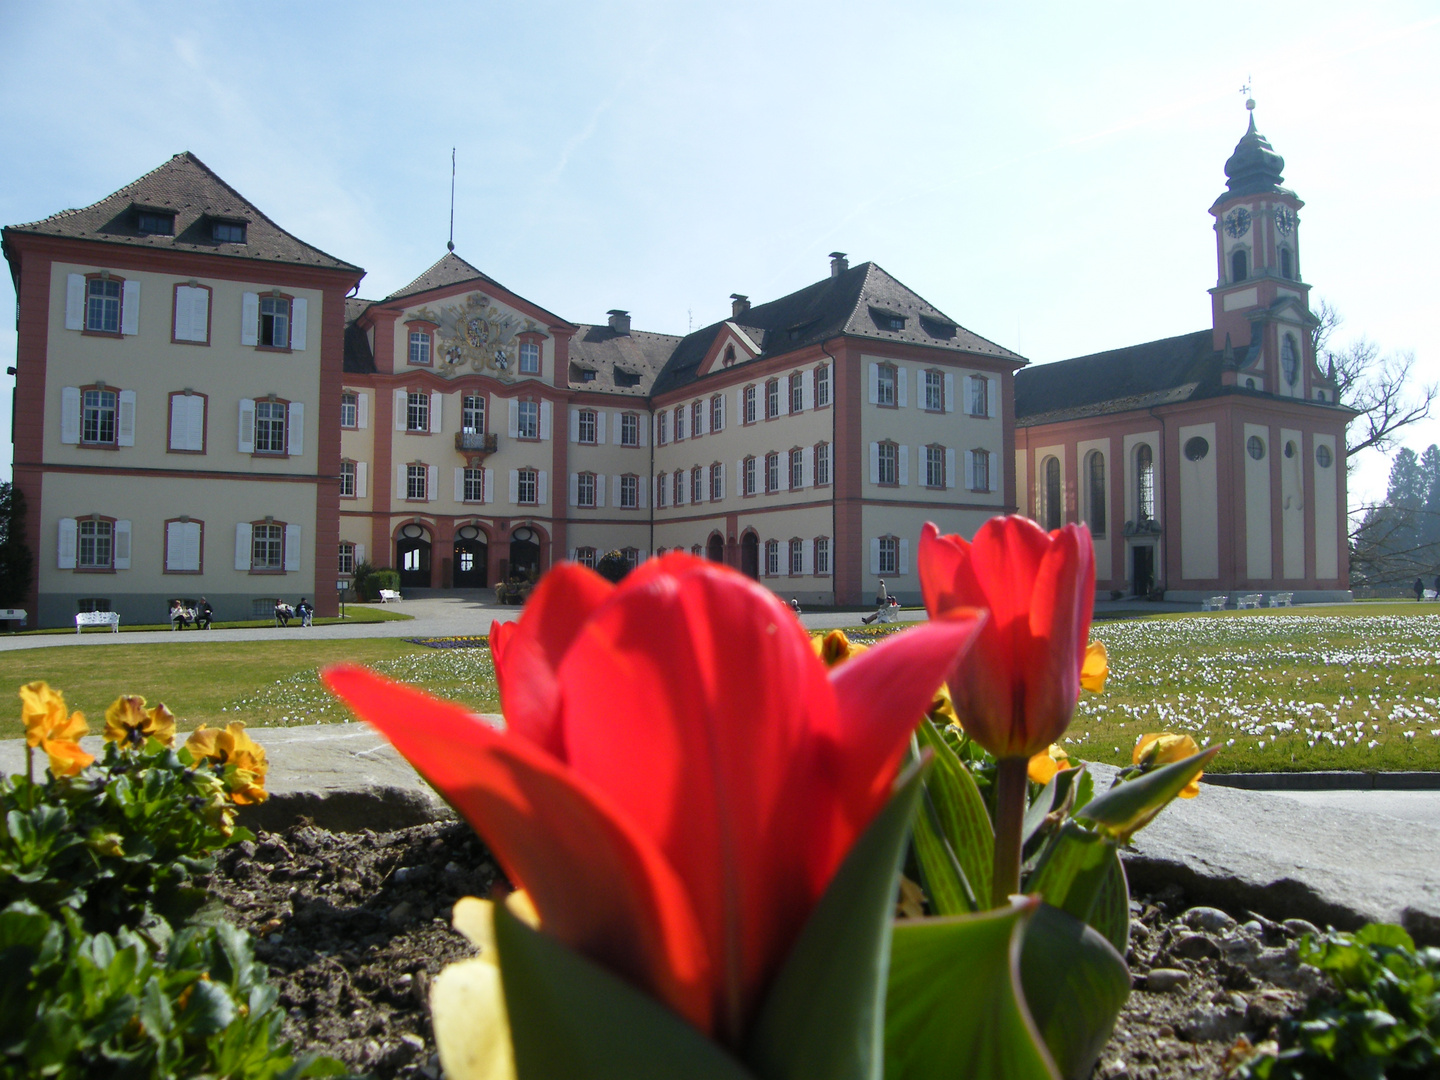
(354, 614)
(260, 682)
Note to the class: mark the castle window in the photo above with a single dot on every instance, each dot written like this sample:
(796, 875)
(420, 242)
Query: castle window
(1096, 502)
(1145, 482)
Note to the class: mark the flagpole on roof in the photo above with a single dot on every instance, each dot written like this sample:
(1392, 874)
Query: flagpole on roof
(450, 245)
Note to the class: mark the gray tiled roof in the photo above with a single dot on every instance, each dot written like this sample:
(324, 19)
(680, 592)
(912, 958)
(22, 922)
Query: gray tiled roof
(1182, 368)
(448, 270)
(359, 359)
(603, 351)
(855, 302)
(186, 186)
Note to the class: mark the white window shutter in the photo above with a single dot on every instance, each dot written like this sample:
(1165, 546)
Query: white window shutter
(904, 557)
(874, 463)
(615, 429)
(175, 545)
(69, 413)
(740, 477)
(125, 419)
(514, 420)
(65, 548)
(361, 475)
(437, 412)
(875, 555)
(192, 546)
(574, 425)
(902, 398)
(970, 469)
(432, 483)
(904, 466)
(199, 314)
(195, 423)
(362, 412)
(402, 481)
(130, 307)
(807, 467)
(574, 486)
(249, 335)
(992, 397)
(546, 420)
(247, 432)
(740, 406)
(459, 483)
(614, 490)
(641, 555)
(402, 407)
(292, 547)
(599, 490)
(180, 422)
(359, 554)
(950, 467)
(643, 429)
(949, 401)
(514, 485)
(242, 546)
(298, 323)
(489, 485)
(874, 384)
(807, 390)
(542, 488)
(75, 305)
(295, 429)
(640, 486)
(600, 422)
(807, 557)
(122, 544)
(720, 494)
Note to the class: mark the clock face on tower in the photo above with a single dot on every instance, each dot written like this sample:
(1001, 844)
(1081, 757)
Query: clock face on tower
(1237, 222)
(1284, 219)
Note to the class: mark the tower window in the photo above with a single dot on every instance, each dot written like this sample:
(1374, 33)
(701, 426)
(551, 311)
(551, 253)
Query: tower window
(1286, 265)
(1239, 265)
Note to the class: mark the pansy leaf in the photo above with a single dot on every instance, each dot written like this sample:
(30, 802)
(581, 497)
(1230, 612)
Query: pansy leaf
(955, 805)
(955, 1006)
(1075, 984)
(1129, 806)
(824, 1016)
(571, 1018)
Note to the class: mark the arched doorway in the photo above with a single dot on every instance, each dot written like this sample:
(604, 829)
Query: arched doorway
(412, 556)
(715, 550)
(750, 555)
(471, 558)
(524, 552)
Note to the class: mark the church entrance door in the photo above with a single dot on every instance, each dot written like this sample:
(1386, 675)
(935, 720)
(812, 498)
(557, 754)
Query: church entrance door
(750, 556)
(1143, 568)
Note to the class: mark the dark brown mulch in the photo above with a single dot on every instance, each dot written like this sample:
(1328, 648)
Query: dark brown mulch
(355, 925)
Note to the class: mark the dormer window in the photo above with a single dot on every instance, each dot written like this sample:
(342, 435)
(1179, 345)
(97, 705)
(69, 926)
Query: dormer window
(895, 322)
(155, 223)
(626, 378)
(227, 232)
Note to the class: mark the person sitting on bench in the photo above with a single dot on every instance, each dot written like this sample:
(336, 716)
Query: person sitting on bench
(179, 617)
(204, 615)
(882, 601)
(306, 612)
(283, 613)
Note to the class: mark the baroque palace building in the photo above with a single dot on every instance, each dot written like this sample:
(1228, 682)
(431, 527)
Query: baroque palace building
(205, 407)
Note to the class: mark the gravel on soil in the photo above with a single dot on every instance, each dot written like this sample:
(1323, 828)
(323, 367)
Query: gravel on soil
(354, 926)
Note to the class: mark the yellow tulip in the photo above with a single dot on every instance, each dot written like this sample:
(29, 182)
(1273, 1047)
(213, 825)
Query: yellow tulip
(129, 723)
(835, 647)
(1095, 668)
(1163, 748)
(52, 728)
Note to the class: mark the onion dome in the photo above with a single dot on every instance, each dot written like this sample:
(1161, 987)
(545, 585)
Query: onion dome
(1254, 167)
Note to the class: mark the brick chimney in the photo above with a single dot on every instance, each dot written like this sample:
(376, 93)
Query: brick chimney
(838, 263)
(619, 321)
(739, 304)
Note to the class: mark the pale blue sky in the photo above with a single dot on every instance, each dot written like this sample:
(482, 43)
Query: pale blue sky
(1040, 172)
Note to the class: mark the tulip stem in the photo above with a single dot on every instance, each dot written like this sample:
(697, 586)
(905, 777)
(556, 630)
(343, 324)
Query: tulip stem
(1010, 789)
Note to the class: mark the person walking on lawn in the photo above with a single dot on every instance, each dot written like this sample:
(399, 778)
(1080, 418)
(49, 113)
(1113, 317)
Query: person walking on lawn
(1419, 589)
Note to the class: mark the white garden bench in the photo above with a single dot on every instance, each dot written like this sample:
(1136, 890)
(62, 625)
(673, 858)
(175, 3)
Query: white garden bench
(1429, 594)
(1214, 603)
(1249, 600)
(1282, 599)
(97, 618)
(386, 595)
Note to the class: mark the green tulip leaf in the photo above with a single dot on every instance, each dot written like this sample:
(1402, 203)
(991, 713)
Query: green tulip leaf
(1075, 984)
(955, 1006)
(570, 1017)
(1110, 909)
(1056, 795)
(1070, 869)
(954, 838)
(1129, 806)
(824, 1016)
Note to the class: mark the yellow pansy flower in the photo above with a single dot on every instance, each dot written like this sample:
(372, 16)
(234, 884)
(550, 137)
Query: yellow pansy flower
(52, 728)
(1044, 765)
(129, 723)
(239, 760)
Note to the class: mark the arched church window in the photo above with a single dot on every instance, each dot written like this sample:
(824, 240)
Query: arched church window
(1289, 359)
(1095, 503)
(1051, 510)
(1286, 264)
(1239, 265)
(1144, 482)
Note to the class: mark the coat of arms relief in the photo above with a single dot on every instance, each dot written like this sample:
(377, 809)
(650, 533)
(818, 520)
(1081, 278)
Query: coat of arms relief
(477, 335)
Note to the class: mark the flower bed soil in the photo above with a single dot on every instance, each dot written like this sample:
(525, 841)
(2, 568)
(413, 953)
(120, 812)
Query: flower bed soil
(354, 926)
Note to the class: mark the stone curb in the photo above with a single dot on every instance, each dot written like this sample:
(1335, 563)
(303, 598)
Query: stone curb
(1327, 781)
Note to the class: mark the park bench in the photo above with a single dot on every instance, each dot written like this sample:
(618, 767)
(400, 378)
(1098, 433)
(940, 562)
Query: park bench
(1248, 600)
(1214, 603)
(1429, 594)
(386, 595)
(97, 618)
(1281, 599)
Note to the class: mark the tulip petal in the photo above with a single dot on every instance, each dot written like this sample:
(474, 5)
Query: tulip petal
(599, 885)
(527, 655)
(472, 1028)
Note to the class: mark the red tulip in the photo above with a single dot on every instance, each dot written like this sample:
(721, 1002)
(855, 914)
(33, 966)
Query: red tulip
(1016, 690)
(680, 777)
